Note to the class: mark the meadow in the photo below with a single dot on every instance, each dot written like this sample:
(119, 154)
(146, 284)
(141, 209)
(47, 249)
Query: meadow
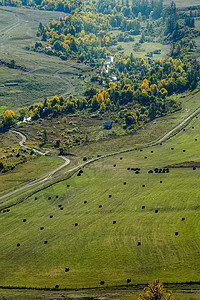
(110, 224)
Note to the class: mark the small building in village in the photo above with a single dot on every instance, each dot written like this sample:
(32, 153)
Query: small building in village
(107, 125)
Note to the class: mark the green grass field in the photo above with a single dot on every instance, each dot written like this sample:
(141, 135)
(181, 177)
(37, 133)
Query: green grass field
(46, 76)
(97, 249)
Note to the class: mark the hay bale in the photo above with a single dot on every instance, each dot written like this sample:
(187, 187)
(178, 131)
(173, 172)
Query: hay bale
(150, 171)
(128, 281)
(35, 198)
(184, 129)
(141, 150)
(172, 148)
(114, 165)
(156, 169)
(195, 140)
(160, 181)
(61, 208)
(183, 219)
(66, 269)
(184, 150)
(143, 185)
(145, 157)
(18, 245)
(85, 202)
(100, 206)
(139, 243)
(114, 222)
(102, 282)
(41, 228)
(45, 242)
(137, 172)
(132, 169)
(51, 217)
(143, 206)
(79, 174)
(151, 151)
(59, 205)
(192, 127)
(194, 168)
(110, 196)
(68, 185)
(24, 220)
(121, 158)
(56, 196)
(56, 286)
(76, 224)
(156, 211)
(81, 171)
(128, 169)
(160, 144)
(176, 232)
(49, 198)
(8, 210)
(167, 170)
(196, 117)
(124, 183)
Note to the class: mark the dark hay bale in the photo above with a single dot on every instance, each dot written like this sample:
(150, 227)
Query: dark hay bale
(49, 198)
(184, 129)
(76, 224)
(128, 280)
(183, 219)
(160, 171)
(124, 183)
(167, 170)
(59, 205)
(85, 201)
(150, 171)
(79, 174)
(4, 210)
(18, 244)
(24, 220)
(176, 233)
(8, 210)
(139, 243)
(156, 211)
(41, 228)
(156, 169)
(68, 185)
(100, 206)
(194, 168)
(51, 217)
(184, 150)
(161, 181)
(56, 197)
(110, 196)
(151, 151)
(143, 185)
(132, 169)
(66, 269)
(102, 282)
(61, 208)
(172, 148)
(35, 198)
(141, 150)
(121, 158)
(114, 222)
(128, 169)
(145, 157)
(143, 206)
(195, 140)
(192, 127)
(114, 166)
(56, 286)
(137, 172)
(160, 144)
(163, 170)
(45, 242)
(196, 117)
(81, 171)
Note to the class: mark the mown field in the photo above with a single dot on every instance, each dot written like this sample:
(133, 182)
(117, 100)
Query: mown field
(147, 228)
(45, 76)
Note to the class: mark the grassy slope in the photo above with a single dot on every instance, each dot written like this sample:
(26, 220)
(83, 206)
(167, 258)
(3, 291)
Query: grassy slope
(47, 75)
(97, 249)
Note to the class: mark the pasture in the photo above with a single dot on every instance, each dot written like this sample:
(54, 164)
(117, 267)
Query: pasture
(110, 223)
(41, 75)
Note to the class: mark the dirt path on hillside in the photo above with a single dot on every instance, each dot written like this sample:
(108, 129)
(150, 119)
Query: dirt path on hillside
(40, 181)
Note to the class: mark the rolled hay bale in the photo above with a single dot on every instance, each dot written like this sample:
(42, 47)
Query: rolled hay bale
(160, 171)
(114, 165)
(192, 127)
(66, 269)
(56, 196)
(61, 208)
(59, 205)
(195, 140)
(137, 172)
(160, 181)
(114, 222)
(143, 185)
(151, 151)
(183, 219)
(51, 216)
(125, 183)
(167, 170)
(141, 150)
(184, 150)
(45, 242)
(76, 224)
(132, 169)
(184, 129)
(194, 168)
(100, 206)
(176, 232)
(49, 198)
(85, 202)
(145, 157)
(121, 158)
(156, 211)
(150, 171)
(24, 220)
(18, 244)
(143, 206)
(128, 281)
(8, 210)
(35, 198)
(79, 174)
(160, 144)
(41, 228)
(81, 171)
(56, 286)
(102, 282)
(172, 148)
(139, 243)
(110, 196)
(68, 185)
(128, 169)
(156, 169)
(196, 117)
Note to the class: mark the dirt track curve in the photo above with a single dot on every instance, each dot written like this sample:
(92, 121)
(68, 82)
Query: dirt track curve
(49, 176)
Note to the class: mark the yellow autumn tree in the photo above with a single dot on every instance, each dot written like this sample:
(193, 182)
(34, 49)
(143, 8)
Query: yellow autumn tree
(8, 118)
(155, 291)
(145, 85)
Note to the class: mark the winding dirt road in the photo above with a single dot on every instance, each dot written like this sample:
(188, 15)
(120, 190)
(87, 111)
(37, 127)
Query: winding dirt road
(52, 174)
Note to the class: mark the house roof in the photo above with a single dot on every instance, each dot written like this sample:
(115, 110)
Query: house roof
(107, 124)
